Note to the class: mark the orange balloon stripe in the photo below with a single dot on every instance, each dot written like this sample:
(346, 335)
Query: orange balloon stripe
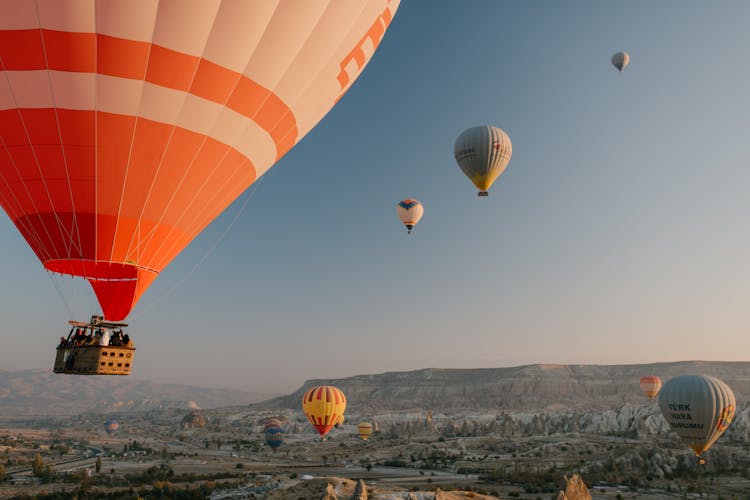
(22, 50)
(87, 217)
(374, 35)
(205, 205)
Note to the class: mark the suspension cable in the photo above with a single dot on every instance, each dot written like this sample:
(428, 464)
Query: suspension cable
(208, 253)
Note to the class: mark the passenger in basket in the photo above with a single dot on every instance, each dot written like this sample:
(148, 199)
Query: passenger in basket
(116, 339)
(104, 340)
(94, 340)
(62, 341)
(79, 337)
(126, 341)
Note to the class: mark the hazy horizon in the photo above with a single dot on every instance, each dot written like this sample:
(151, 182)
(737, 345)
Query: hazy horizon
(617, 235)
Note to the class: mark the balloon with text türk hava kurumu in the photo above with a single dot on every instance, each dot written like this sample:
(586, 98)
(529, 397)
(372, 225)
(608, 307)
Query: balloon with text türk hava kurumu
(698, 408)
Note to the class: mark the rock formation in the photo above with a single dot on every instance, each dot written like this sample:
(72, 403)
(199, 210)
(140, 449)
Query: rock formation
(575, 489)
(330, 493)
(360, 491)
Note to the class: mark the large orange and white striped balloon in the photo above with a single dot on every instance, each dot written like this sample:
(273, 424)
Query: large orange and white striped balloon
(126, 127)
(650, 385)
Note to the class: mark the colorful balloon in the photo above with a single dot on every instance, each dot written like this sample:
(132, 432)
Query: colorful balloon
(483, 153)
(621, 60)
(409, 212)
(272, 422)
(111, 426)
(127, 127)
(650, 385)
(364, 430)
(698, 408)
(324, 406)
(274, 434)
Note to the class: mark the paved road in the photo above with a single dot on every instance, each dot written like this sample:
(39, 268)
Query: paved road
(91, 455)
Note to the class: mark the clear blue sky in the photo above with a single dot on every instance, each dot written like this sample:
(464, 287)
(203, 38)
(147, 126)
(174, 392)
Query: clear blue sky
(619, 233)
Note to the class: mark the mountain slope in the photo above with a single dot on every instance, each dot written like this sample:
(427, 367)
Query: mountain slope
(531, 387)
(40, 392)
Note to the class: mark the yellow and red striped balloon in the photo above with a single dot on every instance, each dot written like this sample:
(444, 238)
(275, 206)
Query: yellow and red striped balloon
(324, 407)
(650, 385)
(364, 430)
(126, 127)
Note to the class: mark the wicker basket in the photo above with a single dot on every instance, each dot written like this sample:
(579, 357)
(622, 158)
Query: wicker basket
(94, 360)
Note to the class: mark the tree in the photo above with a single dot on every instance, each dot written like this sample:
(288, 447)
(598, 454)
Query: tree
(86, 480)
(40, 470)
(38, 465)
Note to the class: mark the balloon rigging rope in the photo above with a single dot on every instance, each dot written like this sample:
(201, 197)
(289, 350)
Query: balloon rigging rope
(66, 298)
(208, 253)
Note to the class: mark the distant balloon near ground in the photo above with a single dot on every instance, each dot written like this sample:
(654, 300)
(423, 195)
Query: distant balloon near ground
(364, 430)
(409, 212)
(483, 153)
(272, 422)
(651, 385)
(621, 60)
(274, 433)
(698, 408)
(324, 407)
(193, 421)
(111, 426)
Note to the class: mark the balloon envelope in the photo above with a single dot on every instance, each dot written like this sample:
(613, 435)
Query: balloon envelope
(621, 60)
(271, 423)
(127, 127)
(364, 430)
(409, 211)
(274, 435)
(324, 406)
(111, 426)
(650, 385)
(698, 408)
(483, 153)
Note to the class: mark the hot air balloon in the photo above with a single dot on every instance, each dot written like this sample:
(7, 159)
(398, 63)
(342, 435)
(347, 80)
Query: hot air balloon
(650, 385)
(364, 430)
(324, 406)
(698, 408)
(271, 422)
(409, 211)
(127, 127)
(273, 433)
(483, 153)
(111, 426)
(621, 60)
